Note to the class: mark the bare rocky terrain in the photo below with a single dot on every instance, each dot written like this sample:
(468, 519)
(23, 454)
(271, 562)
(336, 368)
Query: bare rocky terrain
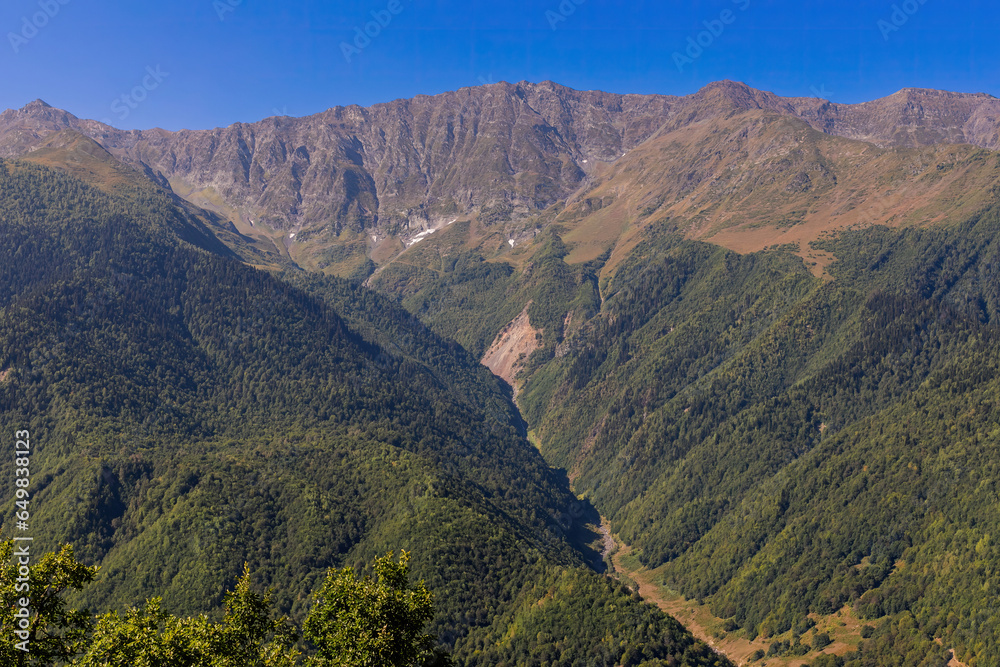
(501, 150)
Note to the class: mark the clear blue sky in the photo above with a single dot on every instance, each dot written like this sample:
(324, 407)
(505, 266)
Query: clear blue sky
(222, 61)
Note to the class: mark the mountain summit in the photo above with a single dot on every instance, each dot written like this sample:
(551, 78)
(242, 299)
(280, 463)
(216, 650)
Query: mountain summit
(408, 165)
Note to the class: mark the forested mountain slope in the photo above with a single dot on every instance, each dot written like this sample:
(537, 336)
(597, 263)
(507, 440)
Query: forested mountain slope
(781, 445)
(726, 411)
(190, 413)
(759, 334)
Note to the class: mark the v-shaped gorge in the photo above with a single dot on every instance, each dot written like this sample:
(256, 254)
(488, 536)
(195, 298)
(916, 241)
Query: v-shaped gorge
(191, 413)
(757, 334)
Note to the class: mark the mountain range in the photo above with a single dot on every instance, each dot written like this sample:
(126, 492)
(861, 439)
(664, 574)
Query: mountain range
(353, 183)
(751, 339)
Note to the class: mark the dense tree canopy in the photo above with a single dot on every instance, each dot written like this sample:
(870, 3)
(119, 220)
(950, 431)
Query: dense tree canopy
(192, 413)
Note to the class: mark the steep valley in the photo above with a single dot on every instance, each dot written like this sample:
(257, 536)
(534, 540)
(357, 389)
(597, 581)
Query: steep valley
(755, 338)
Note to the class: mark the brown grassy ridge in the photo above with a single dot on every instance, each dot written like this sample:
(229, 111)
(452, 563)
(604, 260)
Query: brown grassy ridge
(757, 180)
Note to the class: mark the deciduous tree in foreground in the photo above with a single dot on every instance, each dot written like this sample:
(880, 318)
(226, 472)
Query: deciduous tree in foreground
(373, 621)
(376, 621)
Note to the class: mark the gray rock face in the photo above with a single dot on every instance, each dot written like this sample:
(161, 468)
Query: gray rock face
(523, 145)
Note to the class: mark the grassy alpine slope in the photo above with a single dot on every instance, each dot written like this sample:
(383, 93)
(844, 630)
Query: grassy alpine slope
(191, 413)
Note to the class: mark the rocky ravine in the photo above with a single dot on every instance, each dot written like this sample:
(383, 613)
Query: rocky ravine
(512, 347)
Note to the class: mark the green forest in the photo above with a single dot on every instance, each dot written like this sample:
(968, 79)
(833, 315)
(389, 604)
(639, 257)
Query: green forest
(775, 445)
(778, 446)
(191, 416)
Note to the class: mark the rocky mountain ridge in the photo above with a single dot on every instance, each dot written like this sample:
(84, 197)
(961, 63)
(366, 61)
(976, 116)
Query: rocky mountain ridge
(499, 150)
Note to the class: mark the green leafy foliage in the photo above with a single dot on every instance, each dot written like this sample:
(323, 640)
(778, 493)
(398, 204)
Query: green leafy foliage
(149, 637)
(375, 622)
(54, 632)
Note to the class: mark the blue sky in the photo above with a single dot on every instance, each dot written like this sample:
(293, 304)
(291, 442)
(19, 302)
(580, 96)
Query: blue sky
(207, 63)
